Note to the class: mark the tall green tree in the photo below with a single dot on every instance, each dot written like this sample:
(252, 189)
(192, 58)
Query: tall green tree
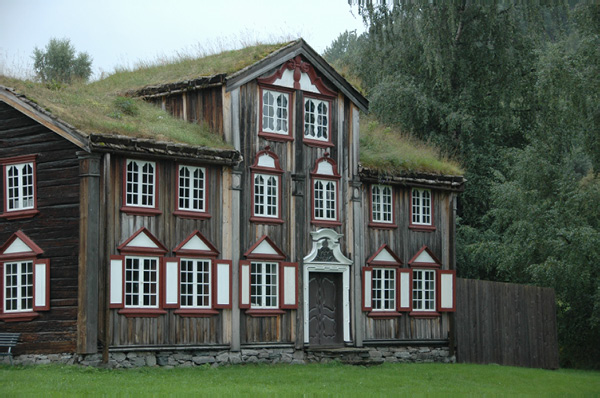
(59, 63)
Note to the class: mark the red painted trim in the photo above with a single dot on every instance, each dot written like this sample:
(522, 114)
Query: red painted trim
(421, 227)
(384, 314)
(124, 248)
(380, 224)
(260, 312)
(196, 313)
(265, 220)
(213, 252)
(282, 267)
(310, 141)
(297, 65)
(35, 249)
(269, 170)
(46, 263)
(335, 178)
(328, 159)
(439, 290)
(2, 279)
(185, 213)
(325, 223)
(267, 134)
(425, 314)
(142, 312)
(277, 171)
(366, 306)
(163, 288)
(371, 261)
(122, 303)
(138, 210)
(19, 316)
(19, 214)
(216, 284)
(375, 225)
(412, 262)
(279, 256)
(244, 263)
(399, 273)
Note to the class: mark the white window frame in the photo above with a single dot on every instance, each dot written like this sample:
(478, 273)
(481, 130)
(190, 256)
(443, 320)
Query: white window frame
(421, 206)
(266, 195)
(315, 119)
(261, 290)
(279, 116)
(20, 187)
(324, 199)
(200, 285)
(24, 303)
(382, 204)
(141, 282)
(384, 289)
(424, 290)
(193, 189)
(134, 190)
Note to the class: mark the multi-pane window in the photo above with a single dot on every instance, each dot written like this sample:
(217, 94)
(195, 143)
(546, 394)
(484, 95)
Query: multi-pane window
(18, 286)
(266, 192)
(141, 282)
(384, 289)
(275, 112)
(423, 290)
(140, 183)
(19, 187)
(316, 119)
(263, 285)
(381, 202)
(195, 283)
(325, 199)
(421, 206)
(192, 188)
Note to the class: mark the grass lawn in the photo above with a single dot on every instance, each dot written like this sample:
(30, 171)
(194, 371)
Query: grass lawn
(298, 380)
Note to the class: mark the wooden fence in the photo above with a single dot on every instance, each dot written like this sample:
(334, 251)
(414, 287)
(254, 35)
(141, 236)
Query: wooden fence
(505, 323)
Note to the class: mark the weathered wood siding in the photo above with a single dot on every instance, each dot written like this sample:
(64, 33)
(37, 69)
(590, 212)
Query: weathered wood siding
(406, 242)
(170, 230)
(55, 229)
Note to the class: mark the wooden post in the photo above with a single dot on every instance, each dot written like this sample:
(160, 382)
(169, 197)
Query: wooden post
(236, 187)
(359, 228)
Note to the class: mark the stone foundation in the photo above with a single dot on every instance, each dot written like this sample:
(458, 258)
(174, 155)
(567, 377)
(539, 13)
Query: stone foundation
(171, 359)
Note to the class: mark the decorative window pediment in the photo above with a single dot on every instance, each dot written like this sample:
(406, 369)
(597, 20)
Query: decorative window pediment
(196, 244)
(298, 75)
(265, 248)
(19, 246)
(384, 256)
(142, 242)
(266, 188)
(424, 258)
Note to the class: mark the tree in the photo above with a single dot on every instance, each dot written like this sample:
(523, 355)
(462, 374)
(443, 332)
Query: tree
(58, 63)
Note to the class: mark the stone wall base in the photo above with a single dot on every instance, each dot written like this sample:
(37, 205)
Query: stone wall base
(171, 359)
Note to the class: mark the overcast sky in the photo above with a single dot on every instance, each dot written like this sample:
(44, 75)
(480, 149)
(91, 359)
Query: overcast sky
(125, 32)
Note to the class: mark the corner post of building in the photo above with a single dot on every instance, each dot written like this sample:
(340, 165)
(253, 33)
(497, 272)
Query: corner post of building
(359, 228)
(89, 212)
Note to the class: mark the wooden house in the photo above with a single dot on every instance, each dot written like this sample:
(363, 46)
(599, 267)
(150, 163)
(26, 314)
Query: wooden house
(281, 242)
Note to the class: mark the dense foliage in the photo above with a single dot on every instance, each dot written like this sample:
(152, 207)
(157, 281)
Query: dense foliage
(514, 93)
(57, 63)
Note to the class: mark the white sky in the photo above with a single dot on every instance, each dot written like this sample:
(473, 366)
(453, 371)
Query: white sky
(125, 32)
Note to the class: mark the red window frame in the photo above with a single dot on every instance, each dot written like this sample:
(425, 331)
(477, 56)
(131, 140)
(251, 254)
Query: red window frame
(436, 266)
(382, 224)
(422, 227)
(311, 141)
(275, 171)
(315, 175)
(139, 210)
(268, 135)
(187, 213)
(18, 214)
(374, 263)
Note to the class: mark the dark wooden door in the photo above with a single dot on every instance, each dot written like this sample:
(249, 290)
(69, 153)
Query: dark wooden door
(325, 314)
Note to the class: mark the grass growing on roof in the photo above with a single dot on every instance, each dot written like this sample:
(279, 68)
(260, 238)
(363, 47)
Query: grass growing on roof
(390, 151)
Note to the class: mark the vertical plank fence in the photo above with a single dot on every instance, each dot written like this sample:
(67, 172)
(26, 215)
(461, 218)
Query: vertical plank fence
(506, 323)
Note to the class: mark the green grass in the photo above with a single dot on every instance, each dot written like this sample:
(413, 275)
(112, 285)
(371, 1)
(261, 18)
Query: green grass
(299, 380)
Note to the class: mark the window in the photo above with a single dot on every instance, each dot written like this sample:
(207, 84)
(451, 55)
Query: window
(382, 214)
(24, 283)
(141, 282)
(384, 289)
(325, 192)
(19, 187)
(316, 120)
(195, 283)
(421, 207)
(263, 285)
(423, 290)
(266, 188)
(191, 192)
(275, 115)
(140, 184)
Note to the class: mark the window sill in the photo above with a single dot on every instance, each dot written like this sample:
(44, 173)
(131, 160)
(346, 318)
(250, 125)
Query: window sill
(422, 228)
(325, 223)
(21, 214)
(380, 225)
(266, 220)
(384, 314)
(196, 313)
(19, 316)
(142, 312)
(191, 214)
(275, 136)
(259, 312)
(140, 211)
(424, 314)
(321, 144)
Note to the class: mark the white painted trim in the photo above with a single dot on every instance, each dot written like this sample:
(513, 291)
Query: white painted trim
(289, 288)
(18, 246)
(195, 243)
(116, 281)
(245, 284)
(223, 284)
(424, 257)
(40, 284)
(142, 240)
(447, 291)
(404, 290)
(264, 248)
(172, 282)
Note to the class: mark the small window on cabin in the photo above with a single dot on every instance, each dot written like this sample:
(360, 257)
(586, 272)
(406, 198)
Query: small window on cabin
(264, 285)
(195, 283)
(423, 290)
(421, 206)
(275, 112)
(266, 192)
(18, 286)
(192, 189)
(19, 175)
(141, 282)
(316, 119)
(140, 183)
(384, 289)
(381, 204)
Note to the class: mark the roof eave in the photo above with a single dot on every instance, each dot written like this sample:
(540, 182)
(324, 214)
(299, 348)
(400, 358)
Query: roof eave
(455, 183)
